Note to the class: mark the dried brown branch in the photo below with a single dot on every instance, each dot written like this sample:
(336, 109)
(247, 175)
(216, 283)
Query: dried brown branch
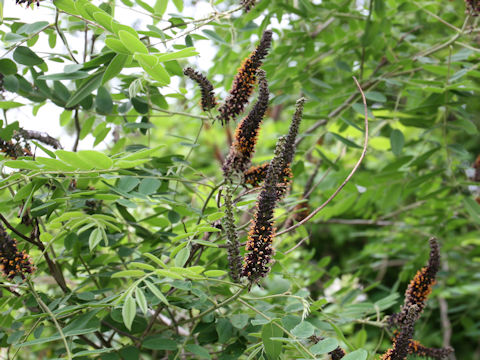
(40, 136)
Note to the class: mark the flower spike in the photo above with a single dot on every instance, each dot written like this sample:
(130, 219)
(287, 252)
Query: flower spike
(246, 135)
(248, 4)
(244, 80)
(234, 259)
(255, 175)
(421, 285)
(401, 342)
(208, 97)
(261, 234)
(12, 261)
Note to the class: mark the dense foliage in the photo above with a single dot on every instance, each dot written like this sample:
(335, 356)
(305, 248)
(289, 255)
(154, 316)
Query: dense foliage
(135, 248)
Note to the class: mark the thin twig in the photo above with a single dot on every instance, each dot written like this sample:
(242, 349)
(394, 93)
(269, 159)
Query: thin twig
(296, 245)
(8, 225)
(77, 129)
(354, 170)
(62, 36)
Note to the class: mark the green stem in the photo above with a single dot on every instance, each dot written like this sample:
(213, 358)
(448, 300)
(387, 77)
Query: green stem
(54, 319)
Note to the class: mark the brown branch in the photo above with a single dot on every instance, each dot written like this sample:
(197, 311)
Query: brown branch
(18, 233)
(354, 170)
(40, 136)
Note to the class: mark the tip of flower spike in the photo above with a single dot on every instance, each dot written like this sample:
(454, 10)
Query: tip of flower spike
(248, 4)
(434, 259)
(208, 100)
(244, 81)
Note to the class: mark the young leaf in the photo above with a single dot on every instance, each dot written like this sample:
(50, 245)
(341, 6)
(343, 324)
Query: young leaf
(359, 354)
(273, 348)
(94, 238)
(141, 300)
(129, 310)
(85, 89)
(397, 140)
(155, 291)
(182, 257)
(132, 43)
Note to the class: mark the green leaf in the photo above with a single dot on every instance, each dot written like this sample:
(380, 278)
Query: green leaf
(85, 89)
(66, 5)
(129, 310)
(187, 52)
(178, 5)
(115, 67)
(22, 164)
(324, 346)
(103, 19)
(359, 354)
(199, 351)
(141, 300)
(214, 273)
(132, 43)
(5, 105)
(142, 266)
(128, 273)
(23, 55)
(155, 259)
(155, 291)
(473, 208)
(272, 348)
(214, 36)
(74, 160)
(150, 64)
(160, 7)
(54, 164)
(239, 320)
(103, 101)
(75, 75)
(116, 45)
(303, 330)
(8, 67)
(159, 342)
(98, 159)
(94, 238)
(347, 142)
(182, 256)
(375, 96)
(30, 29)
(397, 140)
(224, 330)
(149, 186)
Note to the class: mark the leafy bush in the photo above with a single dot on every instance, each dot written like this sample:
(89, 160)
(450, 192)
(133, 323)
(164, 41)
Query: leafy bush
(135, 250)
